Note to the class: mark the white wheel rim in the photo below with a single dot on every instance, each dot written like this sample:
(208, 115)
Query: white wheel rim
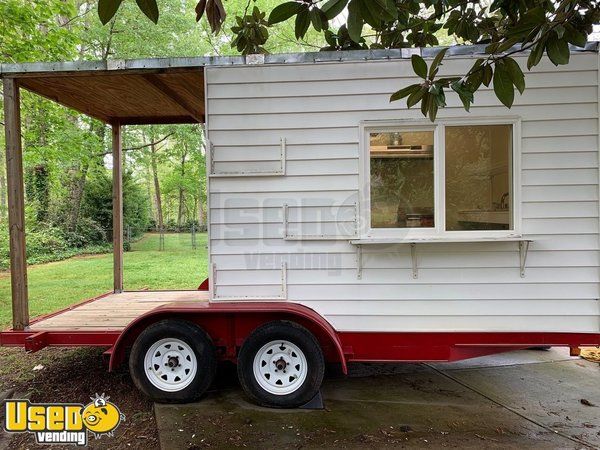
(280, 367)
(170, 365)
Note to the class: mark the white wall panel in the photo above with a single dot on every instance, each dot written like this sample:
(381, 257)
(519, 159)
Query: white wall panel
(460, 286)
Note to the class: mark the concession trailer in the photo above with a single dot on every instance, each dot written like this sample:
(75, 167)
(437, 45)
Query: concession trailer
(342, 227)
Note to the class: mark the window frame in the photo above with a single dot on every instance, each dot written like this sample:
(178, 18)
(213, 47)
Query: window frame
(439, 230)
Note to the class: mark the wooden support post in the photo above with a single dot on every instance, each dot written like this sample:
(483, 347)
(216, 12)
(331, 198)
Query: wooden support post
(117, 151)
(16, 204)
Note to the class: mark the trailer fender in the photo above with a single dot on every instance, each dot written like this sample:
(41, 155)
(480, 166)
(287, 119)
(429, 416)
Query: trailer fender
(228, 324)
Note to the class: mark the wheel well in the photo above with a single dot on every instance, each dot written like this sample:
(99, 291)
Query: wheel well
(229, 329)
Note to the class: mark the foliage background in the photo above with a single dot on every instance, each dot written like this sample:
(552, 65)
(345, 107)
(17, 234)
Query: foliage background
(67, 155)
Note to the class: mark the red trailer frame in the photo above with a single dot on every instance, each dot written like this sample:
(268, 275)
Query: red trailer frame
(228, 324)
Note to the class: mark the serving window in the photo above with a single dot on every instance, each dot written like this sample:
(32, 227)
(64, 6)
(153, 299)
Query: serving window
(454, 178)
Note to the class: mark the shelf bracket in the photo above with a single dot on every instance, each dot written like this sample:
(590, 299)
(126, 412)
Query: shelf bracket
(413, 257)
(285, 221)
(359, 262)
(523, 250)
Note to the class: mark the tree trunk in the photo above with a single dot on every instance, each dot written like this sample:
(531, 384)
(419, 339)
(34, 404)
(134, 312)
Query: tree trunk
(181, 190)
(41, 191)
(79, 182)
(200, 210)
(159, 210)
(78, 186)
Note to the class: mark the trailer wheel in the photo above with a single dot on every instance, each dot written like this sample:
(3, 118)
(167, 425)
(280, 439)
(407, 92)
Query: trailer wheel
(281, 365)
(173, 362)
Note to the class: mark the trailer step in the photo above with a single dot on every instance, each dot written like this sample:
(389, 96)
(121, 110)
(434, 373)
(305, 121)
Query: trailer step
(36, 342)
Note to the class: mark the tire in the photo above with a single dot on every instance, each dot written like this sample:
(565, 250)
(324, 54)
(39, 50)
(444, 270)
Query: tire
(281, 347)
(173, 361)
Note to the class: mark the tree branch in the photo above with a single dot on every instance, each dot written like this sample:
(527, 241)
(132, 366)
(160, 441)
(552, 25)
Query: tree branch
(139, 147)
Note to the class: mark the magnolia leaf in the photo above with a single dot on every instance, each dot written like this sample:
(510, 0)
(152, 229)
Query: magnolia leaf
(355, 21)
(515, 73)
(503, 86)
(536, 55)
(437, 62)
(150, 8)
(432, 104)
(200, 7)
(315, 18)
(215, 13)
(558, 50)
(107, 9)
(333, 8)
(404, 92)
(419, 66)
(574, 36)
(465, 95)
(425, 102)
(302, 23)
(487, 75)
(414, 97)
(284, 11)
(508, 43)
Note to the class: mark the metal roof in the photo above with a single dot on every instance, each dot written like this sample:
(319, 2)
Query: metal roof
(283, 58)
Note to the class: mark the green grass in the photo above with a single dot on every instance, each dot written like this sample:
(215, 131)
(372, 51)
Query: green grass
(57, 285)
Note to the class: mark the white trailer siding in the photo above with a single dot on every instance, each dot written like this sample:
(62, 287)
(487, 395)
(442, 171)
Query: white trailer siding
(317, 108)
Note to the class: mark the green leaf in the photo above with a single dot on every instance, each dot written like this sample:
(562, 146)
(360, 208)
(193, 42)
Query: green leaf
(404, 92)
(515, 73)
(503, 86)
(475, 76)
(414, 98)
(465, 95)
(508, 43)
(355, 21)
(425, 102)
(436, 62)
(200, 8)
(379, 10)
(433, 108)
(574, 36)
(315, 18)
(150, 8)
(107, 9)
(302, 23)
(419, 66)
(387, 9)
(332, 8)
(536, 55)
(558, 50)
(284, 11)
(487, 75)
(330, 38)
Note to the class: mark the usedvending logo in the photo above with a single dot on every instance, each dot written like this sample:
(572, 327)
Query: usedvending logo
(63, 423)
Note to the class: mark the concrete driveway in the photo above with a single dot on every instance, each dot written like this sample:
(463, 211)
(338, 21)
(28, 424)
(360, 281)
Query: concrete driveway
(524, 399)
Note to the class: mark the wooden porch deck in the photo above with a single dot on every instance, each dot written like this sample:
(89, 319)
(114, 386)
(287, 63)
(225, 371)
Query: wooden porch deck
(113, 312)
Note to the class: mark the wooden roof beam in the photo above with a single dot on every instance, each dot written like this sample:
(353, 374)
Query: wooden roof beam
(173, 96)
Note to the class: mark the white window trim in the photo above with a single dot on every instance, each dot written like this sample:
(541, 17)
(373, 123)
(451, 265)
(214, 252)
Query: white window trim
(438, 232)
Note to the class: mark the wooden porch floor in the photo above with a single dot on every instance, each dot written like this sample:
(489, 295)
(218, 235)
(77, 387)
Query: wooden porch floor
(114, 311)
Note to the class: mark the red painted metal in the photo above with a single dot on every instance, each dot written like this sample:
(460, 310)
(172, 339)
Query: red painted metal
(61, 338)
(416, 347)
(204, 286)
(229, 324)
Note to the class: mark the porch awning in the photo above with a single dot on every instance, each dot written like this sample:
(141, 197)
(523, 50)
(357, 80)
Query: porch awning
(116, 94)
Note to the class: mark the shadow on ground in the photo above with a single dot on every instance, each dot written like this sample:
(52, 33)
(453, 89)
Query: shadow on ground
(524, 399)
